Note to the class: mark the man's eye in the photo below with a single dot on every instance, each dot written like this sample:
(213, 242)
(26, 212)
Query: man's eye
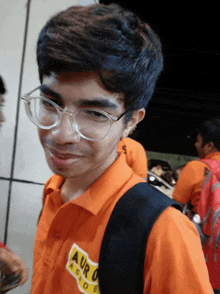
(50, 98)
(95, 115)
(46, 104)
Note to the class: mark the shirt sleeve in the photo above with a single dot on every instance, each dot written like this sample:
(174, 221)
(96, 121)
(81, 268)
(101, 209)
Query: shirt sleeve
(174, 260)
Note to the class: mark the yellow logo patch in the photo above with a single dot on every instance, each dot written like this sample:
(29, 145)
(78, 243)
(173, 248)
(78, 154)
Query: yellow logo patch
(84, 270)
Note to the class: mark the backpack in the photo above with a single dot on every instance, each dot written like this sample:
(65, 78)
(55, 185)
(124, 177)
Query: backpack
(123, 249)
(209, 212)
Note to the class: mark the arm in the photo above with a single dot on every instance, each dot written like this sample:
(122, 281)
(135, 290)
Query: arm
(174, 260)
(185, 185)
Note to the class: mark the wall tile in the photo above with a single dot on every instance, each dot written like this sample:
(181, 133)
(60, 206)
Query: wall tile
(26, 204)
(12, 21)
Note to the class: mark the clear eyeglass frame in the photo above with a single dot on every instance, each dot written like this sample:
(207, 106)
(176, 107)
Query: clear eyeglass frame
(27, 97)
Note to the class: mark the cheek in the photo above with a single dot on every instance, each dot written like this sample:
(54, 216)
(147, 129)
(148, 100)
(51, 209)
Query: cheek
(110, 143)
(42, 134)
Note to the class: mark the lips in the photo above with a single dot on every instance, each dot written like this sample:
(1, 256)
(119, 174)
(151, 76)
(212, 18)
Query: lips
(61, 159)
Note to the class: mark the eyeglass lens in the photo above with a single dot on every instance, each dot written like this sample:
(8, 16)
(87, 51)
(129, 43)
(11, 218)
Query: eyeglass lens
(92, 124)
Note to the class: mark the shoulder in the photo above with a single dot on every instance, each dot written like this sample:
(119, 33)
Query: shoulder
(141, 205)
(193, 169)
(131, 147)
(175, 219)
(134, 148)
(194, 164)
(132, 143)
(174, 256)
(172, 229)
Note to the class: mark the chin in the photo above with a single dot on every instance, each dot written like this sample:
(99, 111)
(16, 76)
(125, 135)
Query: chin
(65, 172)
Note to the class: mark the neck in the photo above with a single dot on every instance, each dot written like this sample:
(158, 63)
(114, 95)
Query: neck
(73, 188)
(214, 150)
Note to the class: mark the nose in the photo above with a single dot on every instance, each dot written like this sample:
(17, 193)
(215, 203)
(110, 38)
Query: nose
(66, 132)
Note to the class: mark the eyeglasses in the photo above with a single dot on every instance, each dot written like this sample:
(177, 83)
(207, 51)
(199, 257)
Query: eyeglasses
(91, 124)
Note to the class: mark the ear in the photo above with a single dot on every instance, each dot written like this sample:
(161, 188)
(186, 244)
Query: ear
(210, 148)
(137, 116)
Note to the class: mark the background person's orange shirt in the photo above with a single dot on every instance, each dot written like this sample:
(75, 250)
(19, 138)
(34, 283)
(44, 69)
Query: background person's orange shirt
(135, 154)
(190, 182)
(69, 237)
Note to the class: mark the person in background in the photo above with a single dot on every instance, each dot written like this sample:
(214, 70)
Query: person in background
(98, 67)
(135, 154)
(177, 172)
(193, 175)
(2, 92)
(162, 169)
(10, 263)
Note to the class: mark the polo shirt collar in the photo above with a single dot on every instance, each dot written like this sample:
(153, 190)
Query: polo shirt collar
(53, 184)
(110, 182)
(214, 155)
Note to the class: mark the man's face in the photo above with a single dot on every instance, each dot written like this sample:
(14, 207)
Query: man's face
(2, 119)
(67, 154)
(199, 147)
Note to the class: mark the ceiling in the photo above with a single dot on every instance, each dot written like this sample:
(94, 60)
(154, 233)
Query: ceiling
(187, 91)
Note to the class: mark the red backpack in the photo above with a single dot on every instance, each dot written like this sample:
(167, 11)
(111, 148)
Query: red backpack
(209, 212)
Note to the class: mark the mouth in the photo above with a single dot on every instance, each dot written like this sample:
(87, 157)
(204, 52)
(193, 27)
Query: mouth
(62, 159)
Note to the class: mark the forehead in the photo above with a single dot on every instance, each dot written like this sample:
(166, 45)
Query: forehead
(78, 86)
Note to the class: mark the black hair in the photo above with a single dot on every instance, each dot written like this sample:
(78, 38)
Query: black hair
(210, 132)
(2, 86)
(104, 38)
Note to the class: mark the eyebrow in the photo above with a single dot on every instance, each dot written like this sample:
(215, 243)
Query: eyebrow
(101, 103)
(47, 91)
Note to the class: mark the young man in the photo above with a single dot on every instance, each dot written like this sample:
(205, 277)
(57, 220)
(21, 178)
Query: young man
(193, 175)
(10, 263)
(98, 67)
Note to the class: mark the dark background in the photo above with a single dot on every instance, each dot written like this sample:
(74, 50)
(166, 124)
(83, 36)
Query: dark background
(187, 91)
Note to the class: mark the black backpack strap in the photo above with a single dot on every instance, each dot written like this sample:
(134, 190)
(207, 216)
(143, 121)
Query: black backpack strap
(122, 255)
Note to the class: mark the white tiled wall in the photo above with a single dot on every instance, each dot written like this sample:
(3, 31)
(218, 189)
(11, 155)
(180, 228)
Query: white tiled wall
(29, 164)
(4, 186)
(24, 212)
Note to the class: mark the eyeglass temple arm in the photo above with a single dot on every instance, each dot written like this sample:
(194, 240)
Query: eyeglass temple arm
(127, 111)
(29, 93)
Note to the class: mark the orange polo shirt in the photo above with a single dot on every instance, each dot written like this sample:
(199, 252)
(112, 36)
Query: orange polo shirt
(190, 182)
(69, 236)
(136, 156)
